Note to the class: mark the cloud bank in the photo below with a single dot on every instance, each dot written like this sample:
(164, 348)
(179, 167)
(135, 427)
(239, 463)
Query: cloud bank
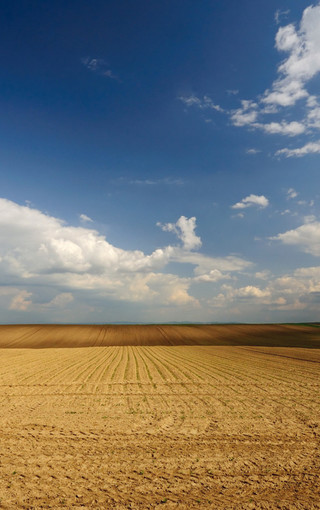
(38, 250)
(56, 271)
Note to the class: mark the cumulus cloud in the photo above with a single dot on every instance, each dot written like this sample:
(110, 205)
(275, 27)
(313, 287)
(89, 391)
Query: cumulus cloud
(282, 128)
(251, 200)
(301, 46)
(303, 61)
(263, 275)
(44, 252)
(292, 193)
(270, 111)
(306, 237)
(184, 228)
(250, 291)
(212, 276)
(308, 148)
(21, 301)
(246, 115)
(292, 292)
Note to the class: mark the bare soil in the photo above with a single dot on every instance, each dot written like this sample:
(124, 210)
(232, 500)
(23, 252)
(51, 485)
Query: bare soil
(200, 425)
(51, 335)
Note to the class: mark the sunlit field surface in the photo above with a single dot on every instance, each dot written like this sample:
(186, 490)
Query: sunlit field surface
(232, 425)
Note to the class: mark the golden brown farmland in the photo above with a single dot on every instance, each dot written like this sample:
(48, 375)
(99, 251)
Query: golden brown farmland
(41, 336)
(231, 425)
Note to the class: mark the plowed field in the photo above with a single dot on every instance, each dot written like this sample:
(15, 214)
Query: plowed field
(41, 336)
(160, 426)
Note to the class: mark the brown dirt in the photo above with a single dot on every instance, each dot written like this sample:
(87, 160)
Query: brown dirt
(160, 426)
(43, 336)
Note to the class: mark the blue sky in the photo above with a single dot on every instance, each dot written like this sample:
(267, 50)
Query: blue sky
(159, 161)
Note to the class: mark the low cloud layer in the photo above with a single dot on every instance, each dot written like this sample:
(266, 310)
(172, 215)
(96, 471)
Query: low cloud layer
(40, 250)
(60, 272)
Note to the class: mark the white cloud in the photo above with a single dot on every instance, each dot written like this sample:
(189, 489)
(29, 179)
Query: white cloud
(280, 14)
(190, 100)
(245, 115)
(250, 291)
(204, 104)
(303, 62)
(263, 275)
(282, 128)
(299, 290)
(292, 193)
(205, 265)
(301, 44)
(306, 237)
(100, 66)
(308, 148)
(164, 181)
(61, 300)
(167, 181)
(212, 276)
(313, 116)
(21, 301)
(184, 228)
(43, 251)
(251, 200)
(85, 219)
(252, 151)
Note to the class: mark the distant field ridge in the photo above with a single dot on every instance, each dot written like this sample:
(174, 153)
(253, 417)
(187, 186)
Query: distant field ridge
(49, 336)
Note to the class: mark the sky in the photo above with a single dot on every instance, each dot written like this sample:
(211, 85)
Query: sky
(159, 161)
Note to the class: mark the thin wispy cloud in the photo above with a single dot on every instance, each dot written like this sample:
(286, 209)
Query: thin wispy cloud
(204, 103)
(99, 66)
(163, 181)
(280, 15)
(308, 148)
(253, 151)
(85, 219)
